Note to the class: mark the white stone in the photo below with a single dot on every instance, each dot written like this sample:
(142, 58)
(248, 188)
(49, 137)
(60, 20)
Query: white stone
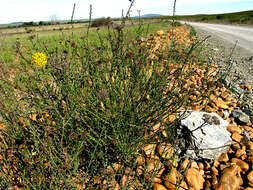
(207, 132)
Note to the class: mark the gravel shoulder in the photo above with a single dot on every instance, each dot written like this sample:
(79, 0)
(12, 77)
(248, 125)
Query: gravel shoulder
(236, 62)
(222, 42)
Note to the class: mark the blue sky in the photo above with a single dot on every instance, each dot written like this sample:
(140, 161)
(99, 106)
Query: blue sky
(36, 10)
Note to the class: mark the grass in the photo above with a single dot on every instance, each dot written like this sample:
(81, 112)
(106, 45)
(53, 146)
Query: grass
(68, 124)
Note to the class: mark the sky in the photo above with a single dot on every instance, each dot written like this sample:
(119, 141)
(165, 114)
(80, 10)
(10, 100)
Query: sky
(43, 10)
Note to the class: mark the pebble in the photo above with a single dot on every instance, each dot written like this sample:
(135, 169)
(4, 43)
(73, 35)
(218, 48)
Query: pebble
(240, 116)
(140, 160)
(214, 171)
(250, 145)
(184, 164)
(230, 179)
(149, 149)
(243, 165)
(165, 150)
(250, 177)
(158, 186)
(194, 165)
(236, 145)
(201, 165)
(237, 137)
(240, 152)
(170, 179)
(223, 166)
(234, 128)
(153, 164)
(250, 159)
(223, 157)
(194, 179)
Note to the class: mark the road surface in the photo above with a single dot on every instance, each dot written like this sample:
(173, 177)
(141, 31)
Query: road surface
(229, 33)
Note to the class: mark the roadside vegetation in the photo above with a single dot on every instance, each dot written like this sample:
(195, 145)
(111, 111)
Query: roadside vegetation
(244, 17)
(79, 109)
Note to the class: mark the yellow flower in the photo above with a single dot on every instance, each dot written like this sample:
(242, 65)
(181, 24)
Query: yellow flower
(39, 59)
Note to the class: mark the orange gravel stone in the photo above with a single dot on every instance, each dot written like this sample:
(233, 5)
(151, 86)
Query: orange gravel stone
(194, 179)
(237, 137)
(158, 186)
(243, 165)
(234, 128)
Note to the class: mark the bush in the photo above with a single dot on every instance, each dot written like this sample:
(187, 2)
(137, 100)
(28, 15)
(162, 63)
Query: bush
(90, 108)
(219, 17)
(101, 22)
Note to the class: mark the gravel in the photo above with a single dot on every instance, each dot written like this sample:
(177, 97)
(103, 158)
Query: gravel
(237, 65)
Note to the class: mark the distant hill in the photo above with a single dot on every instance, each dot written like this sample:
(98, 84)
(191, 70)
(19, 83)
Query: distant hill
(151, 15)
(16, 23)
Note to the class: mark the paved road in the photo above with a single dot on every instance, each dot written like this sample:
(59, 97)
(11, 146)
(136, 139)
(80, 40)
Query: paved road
(231, 34)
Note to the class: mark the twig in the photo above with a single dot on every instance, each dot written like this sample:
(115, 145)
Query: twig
(229, 60)
(72, 16)
(173, 22)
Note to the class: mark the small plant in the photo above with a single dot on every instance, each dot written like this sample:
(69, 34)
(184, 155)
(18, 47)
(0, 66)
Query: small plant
(94, 105)
(39, 59)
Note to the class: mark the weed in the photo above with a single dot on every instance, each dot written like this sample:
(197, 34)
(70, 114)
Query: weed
(67, 124)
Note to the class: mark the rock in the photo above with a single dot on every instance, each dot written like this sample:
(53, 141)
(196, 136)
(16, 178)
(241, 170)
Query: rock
(149, 150)
(223, 157)
(194, 179)
(223, 166)
(207, 165)
(234, 128)
(194, 165)
(140, 160)
(240, 152)
(240, 117)
(250, 145)
(220, 103)
(250, 177)
(165, 150)
(214, 171)
(250, 159)
(170, 179)
(171, 163)
(248, 129)
(201, 165)
(237, 137)
(230, 151)
(183, 186)
(158, 186)
(243, 165)
(207, 185)
(225, 114)
(230, 179)
(203, 135)
(236, 145)
(184, 164)
(214, 180)
(216, 163)
(153, 165)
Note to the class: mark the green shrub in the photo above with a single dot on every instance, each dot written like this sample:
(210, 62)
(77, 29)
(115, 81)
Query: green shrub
(219, 17)
(101, 22)
(89, 108)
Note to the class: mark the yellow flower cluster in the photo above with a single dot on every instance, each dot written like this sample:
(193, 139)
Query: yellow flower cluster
(39, 59)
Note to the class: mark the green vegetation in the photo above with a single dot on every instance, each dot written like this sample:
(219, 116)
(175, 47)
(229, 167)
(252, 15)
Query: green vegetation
(66, 124)
(245, 17)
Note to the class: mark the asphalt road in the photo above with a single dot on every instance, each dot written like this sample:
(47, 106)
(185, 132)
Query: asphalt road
(229, 33)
